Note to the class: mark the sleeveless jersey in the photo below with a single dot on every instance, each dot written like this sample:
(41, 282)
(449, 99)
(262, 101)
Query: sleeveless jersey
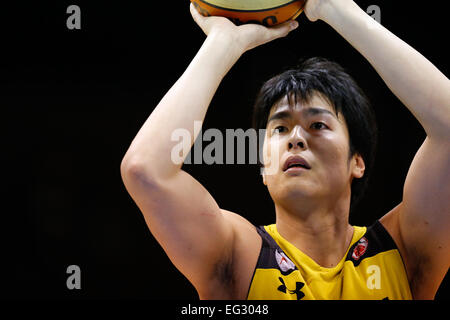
(372, 268)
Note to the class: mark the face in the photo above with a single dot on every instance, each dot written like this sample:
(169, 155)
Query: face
(306, 152)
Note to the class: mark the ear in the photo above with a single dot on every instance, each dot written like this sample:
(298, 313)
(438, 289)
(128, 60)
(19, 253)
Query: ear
(358, 166)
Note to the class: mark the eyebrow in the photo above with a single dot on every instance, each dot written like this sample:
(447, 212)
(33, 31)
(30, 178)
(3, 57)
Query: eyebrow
(279, 115)
(307, 112)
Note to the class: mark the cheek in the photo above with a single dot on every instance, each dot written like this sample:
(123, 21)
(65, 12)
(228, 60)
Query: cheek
(333, 151)
(265, 151)
(271, 152)
(275, 186)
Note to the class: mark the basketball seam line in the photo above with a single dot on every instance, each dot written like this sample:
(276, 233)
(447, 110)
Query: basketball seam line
(240, 10)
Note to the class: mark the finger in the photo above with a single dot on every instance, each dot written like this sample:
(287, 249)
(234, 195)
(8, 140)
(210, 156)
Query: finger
(282, 29)
(198, 18)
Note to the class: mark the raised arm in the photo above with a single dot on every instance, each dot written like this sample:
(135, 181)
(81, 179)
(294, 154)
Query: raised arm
(195, 233)
(421, 222)
(422, 88)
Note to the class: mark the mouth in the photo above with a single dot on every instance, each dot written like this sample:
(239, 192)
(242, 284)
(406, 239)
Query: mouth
(296, 163)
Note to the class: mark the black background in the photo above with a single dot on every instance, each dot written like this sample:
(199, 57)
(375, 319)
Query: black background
(73, 100)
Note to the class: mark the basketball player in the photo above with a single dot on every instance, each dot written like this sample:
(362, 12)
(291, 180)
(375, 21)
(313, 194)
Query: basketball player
(313, 119)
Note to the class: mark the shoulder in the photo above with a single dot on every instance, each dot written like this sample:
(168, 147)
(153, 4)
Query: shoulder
(423, 279)
(245, 234)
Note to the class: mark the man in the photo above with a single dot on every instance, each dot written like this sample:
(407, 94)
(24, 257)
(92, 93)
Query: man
(311, 252)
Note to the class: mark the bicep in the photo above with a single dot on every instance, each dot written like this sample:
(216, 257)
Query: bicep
(187, 222)
(424, 217)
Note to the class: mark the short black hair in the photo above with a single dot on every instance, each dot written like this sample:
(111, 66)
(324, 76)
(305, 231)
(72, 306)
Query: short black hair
(328, 79)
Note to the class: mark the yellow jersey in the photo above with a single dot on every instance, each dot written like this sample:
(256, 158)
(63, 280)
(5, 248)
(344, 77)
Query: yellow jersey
(372, 268)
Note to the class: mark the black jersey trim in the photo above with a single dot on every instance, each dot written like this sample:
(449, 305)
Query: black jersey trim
(267, 259)
(256, 267)
(376, 239)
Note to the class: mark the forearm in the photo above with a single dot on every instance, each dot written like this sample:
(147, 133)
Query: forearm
(421, 87)
(186, 102)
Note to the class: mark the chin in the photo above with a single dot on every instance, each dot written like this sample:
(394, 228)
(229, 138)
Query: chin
(293, 189)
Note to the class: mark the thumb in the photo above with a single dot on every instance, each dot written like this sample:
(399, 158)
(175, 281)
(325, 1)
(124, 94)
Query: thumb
(198, 18)
(282, 29)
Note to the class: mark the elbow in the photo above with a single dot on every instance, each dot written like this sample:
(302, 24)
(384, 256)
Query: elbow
(129, 170)
(129, 167)
(144, 169)
(130, 164)
(133, 170)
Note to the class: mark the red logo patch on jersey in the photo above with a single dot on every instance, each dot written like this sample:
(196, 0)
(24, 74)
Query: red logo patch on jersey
(360, 248)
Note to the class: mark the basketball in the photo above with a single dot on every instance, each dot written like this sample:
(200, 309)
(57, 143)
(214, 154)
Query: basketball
(265, 12)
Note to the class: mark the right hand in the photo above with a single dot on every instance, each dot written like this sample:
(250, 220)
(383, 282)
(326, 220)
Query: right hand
(247, 36)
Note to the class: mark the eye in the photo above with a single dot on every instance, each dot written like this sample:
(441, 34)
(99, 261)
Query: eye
(279, 129)
(318, 126)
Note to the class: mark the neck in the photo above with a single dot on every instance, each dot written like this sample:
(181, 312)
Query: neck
(321, 232)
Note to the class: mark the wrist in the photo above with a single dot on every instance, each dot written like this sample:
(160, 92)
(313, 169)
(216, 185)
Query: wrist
(225, 43)
(330, 10)
(217, 54)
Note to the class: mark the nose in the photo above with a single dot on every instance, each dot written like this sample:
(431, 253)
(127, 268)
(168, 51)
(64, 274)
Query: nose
(296, 140)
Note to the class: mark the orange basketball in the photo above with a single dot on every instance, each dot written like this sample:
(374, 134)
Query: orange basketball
(266, 12)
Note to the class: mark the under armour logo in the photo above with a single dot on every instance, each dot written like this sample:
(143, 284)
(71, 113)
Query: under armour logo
(298, 287)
